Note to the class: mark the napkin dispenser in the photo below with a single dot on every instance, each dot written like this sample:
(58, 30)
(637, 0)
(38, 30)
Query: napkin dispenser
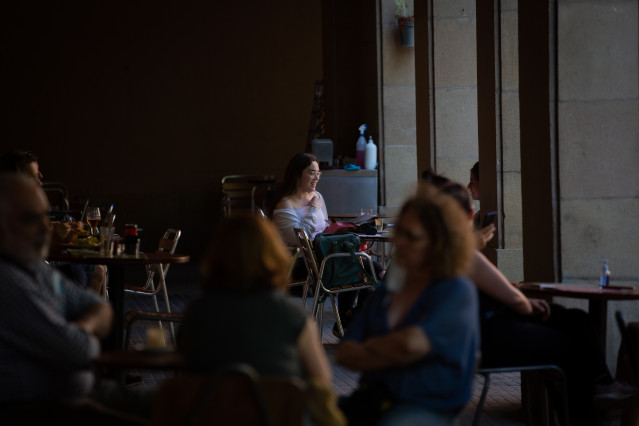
(323, 150)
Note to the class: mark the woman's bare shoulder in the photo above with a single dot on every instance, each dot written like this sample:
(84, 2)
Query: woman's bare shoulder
(285, 203)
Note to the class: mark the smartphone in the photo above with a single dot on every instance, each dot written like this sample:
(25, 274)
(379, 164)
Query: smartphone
(489, 218)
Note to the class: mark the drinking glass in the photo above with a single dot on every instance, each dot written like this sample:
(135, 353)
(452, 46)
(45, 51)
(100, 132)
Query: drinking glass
(93, 219)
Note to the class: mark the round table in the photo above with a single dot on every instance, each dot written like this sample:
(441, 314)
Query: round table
(597, 299)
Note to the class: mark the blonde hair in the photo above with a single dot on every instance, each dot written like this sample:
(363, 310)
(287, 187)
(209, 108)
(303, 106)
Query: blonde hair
(246, 254)
(450, 232)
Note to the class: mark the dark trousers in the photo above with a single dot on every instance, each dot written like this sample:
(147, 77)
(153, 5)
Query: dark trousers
(567, 339)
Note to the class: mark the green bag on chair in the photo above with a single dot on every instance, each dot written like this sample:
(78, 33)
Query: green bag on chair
(342, 271)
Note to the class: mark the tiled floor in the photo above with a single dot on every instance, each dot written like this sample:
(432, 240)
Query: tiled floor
(502, 404)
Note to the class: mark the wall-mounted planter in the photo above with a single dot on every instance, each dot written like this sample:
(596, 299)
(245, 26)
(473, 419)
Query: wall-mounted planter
(407, 31)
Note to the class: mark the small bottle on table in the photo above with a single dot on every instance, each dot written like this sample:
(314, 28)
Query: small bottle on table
(604, 278)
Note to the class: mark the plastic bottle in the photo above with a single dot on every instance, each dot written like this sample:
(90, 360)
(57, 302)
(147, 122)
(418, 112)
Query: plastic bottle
(131, 239)
(371, 155)
(360, 147)
(604, 278)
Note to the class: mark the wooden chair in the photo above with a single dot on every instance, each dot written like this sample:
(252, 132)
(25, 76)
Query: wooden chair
(325, 289)
(167, 244)
(245, 192)
(236, 395)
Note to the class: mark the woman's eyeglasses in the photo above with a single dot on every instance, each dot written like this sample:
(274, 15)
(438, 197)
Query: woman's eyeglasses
(315, 175)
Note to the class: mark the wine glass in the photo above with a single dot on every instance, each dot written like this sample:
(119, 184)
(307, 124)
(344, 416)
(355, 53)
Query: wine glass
(93, 218)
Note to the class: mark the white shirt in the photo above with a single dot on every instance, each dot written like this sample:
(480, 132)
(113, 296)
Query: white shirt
(308, 218)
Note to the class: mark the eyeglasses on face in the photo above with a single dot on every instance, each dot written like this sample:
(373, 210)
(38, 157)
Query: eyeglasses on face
(315, 175)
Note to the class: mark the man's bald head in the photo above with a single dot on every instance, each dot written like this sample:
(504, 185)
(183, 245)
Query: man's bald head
(24, 222)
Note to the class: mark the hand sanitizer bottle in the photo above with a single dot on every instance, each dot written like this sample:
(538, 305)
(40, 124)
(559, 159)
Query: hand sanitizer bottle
(371, 155)
(604, 278)
(360, 147)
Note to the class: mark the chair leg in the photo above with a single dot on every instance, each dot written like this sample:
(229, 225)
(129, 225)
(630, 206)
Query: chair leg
(320, 315)
(165, 295)
(316, 298)
(305, 291)
(482, 400)
(105, 287)
(337, 317)
(127, 334)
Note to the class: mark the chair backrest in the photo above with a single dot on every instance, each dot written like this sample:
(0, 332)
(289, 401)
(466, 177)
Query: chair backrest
(236, 395)
(295, 251)
(58, 195)
(260, 213)
(169, 240)
(306, 246)
(239, 192)
(167, 244)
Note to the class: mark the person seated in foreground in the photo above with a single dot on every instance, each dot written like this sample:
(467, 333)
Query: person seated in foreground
(49, 327)
(416, 340)
(245, 315)
(85, 275)
(518, 331)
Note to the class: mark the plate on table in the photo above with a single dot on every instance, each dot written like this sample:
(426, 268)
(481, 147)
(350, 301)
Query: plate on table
(81, 246)
(93, 252)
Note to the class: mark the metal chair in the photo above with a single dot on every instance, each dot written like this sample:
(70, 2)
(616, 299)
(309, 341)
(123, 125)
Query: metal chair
(548, 374)
(245, 192)
(325, 289)
(167, 244)
(235, 395)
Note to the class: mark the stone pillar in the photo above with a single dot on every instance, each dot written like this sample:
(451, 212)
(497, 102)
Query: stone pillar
(537, 86)
(498, 128)
(398, 120)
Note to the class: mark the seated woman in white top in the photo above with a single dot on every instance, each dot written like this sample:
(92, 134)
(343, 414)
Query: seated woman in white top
(298, 204)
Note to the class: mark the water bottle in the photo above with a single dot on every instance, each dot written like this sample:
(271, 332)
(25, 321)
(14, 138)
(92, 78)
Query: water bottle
(604, 278)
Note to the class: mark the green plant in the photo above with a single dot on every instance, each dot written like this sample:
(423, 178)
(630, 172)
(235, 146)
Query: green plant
(402, 10)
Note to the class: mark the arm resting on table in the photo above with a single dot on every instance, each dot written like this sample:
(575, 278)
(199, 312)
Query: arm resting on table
(490, 281)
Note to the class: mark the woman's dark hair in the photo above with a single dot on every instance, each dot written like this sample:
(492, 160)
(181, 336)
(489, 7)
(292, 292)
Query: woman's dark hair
(293, 174)
(451, 241)
(447, 186)
(475, 171)
(15, 161)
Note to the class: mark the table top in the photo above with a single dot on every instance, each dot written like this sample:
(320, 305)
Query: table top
(142, 259)
(580, 291)
(382, 238)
